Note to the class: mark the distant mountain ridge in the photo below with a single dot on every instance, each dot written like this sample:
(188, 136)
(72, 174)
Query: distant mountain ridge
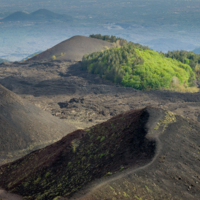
(197, 50)
(3, 60)
(39, 15)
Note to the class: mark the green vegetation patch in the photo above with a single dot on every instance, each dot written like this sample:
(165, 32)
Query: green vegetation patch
(157, 71)
(190, 58)
(107, 38)
(136, 66)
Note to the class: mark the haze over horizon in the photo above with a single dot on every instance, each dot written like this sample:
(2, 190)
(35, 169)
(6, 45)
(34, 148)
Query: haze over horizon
(163, 26)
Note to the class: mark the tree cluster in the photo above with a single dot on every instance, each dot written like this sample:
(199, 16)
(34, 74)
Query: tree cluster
(190, 58)
(186, 57)
(134, 65)
(113, 63)
(107, 38)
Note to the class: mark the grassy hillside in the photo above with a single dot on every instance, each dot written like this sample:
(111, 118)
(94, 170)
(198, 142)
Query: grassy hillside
(134, 65)
(189, 58)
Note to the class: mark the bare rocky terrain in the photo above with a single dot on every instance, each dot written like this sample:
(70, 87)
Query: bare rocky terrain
(134, 155)
(73, 49)
(62, 89)
(25, 128)
(83, 99)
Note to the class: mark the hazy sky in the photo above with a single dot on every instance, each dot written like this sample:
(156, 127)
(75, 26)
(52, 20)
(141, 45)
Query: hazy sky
(122, 8)
(61, 5)
(149, 22)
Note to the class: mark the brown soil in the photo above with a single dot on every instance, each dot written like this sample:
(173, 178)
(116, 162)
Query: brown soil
(67, 92)
(173, 174)
(8, 196)
(24, 127)
(117, 150)
(106, 148)
(73, 49)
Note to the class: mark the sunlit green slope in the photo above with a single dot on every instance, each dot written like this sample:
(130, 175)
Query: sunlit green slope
(134, 65)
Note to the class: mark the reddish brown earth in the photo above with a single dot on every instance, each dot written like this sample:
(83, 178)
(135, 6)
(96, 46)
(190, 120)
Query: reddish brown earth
(135, 154)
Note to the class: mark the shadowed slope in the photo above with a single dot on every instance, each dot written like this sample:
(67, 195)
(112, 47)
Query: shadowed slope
(82, 156)
(174, 174)
(23, 125)
(16, 16)
(160, 149)
(73, 49)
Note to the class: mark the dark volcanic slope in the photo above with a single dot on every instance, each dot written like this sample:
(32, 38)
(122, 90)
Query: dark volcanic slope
(167, 145)
(174, 173)
(73, 49)
(82, 156)
(25, 126)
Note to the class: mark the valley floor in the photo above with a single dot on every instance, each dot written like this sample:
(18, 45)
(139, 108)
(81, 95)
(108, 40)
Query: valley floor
(83, 99)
